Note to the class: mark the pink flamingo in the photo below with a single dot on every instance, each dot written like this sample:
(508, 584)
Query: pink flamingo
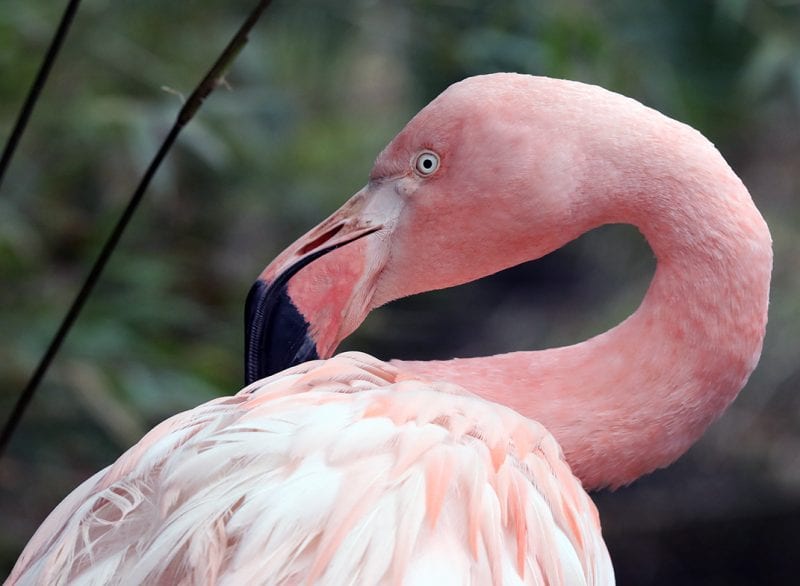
(355, 471)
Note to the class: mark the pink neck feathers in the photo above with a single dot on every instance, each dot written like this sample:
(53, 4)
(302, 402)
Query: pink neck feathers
(636, 397)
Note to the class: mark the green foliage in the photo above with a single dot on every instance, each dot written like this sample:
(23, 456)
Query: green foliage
(318, 91)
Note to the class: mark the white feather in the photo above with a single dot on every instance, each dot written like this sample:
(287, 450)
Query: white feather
(330, 472)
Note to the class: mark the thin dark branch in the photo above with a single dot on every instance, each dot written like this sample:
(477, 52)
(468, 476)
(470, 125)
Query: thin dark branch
(212, 79)
(36, 88)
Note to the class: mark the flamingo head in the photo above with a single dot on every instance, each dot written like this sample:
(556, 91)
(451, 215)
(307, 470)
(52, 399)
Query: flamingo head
(483, 178)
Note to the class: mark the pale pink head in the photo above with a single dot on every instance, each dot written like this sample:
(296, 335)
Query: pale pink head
(502, 189)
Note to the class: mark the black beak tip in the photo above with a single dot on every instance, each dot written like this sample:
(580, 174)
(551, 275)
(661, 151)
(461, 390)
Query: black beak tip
(276, 334)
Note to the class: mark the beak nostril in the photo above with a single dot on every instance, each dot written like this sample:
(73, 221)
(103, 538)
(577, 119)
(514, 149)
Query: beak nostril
(320, 240)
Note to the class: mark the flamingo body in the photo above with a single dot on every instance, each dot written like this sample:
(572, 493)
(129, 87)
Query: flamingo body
(354, 471)
(334, 472)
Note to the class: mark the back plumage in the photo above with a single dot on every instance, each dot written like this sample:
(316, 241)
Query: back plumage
(334, 472)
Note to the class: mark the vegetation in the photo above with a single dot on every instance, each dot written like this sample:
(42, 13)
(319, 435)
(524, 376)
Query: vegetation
(318, 91)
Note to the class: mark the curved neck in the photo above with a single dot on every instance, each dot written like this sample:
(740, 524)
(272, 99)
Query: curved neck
(635, 398)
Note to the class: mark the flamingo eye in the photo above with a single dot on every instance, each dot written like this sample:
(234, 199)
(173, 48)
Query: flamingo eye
(427, 163)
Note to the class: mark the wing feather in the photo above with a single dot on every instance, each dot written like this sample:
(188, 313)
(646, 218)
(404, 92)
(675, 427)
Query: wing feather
(335, 472)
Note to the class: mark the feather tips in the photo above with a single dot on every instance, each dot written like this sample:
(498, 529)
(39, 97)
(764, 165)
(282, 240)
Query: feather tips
(334, 472)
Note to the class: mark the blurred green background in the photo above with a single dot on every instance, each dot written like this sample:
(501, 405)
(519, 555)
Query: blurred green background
(321, 87)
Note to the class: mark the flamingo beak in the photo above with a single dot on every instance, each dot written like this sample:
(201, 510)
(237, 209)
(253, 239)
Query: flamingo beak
(277, 334)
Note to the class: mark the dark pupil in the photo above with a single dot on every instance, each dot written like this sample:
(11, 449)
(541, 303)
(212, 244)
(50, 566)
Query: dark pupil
(427, 163)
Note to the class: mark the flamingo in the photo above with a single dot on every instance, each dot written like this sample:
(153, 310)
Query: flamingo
(352, 470)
